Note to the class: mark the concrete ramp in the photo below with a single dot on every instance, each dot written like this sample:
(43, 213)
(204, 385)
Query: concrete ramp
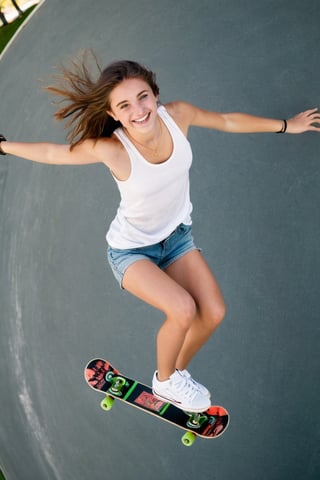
(256, 216)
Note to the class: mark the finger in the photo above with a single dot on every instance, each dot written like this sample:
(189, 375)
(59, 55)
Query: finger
(314, 119)
(311, 111)
(306, 113)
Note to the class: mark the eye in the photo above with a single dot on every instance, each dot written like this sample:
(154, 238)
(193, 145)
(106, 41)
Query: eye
(124, 105)
(143, 96)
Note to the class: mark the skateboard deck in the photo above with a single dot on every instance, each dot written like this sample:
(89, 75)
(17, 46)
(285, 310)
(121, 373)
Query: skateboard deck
(103, 377)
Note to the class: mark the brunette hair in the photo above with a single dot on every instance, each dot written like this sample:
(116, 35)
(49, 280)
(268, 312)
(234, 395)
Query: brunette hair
(88, 100)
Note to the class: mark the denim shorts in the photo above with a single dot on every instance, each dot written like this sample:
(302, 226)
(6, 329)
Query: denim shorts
(177, 244)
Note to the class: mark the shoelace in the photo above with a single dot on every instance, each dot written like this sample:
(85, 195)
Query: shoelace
(185, 388)
(192, 381)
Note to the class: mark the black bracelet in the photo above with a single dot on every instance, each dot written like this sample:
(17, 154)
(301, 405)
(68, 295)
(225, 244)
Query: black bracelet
(2, 139)
(284, 126)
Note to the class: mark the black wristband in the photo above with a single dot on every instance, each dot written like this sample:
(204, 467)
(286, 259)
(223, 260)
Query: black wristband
(2, 139)
(284, 126)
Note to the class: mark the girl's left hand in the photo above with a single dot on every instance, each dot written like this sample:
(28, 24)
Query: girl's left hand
(308, 121)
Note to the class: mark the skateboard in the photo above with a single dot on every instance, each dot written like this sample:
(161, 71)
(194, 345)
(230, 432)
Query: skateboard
(103, 377)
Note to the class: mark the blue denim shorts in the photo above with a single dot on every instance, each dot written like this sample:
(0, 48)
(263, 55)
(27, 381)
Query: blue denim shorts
(177, 244)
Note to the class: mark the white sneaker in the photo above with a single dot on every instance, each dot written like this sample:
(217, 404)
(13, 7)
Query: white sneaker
(180, 392)
(202, 389)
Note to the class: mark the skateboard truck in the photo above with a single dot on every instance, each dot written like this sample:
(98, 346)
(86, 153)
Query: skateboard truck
(196, 419)
(117, 385)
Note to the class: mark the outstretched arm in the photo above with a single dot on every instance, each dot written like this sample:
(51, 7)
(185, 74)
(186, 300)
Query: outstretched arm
(188, 115)
(87, 152)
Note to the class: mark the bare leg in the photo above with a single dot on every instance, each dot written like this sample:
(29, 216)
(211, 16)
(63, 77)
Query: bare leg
(189, 296)
(192, 273)
(146, 281)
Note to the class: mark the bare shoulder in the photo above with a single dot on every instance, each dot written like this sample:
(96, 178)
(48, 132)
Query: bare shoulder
(182, 113)
(108, 151)
(106, 146)
(113, 154)
(103, 150)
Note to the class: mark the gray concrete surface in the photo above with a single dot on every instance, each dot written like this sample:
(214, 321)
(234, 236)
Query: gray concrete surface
(256, 216)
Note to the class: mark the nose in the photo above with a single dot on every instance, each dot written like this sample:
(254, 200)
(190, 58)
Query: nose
(138, 110)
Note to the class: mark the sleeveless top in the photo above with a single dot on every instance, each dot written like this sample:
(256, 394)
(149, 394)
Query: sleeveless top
(155, 198)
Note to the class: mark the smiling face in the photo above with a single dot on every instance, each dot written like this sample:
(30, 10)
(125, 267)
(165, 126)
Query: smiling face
(134, 105)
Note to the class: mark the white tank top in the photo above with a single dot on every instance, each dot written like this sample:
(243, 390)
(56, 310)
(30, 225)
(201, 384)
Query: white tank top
(155, 198)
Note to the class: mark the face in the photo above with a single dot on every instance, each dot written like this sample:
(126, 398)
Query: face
(134, 105)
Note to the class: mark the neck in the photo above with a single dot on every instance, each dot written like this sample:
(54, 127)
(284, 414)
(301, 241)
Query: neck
(150, 141)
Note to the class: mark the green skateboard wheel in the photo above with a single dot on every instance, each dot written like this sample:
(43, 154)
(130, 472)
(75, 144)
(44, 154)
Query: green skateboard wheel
(188, 439)
(107, 403)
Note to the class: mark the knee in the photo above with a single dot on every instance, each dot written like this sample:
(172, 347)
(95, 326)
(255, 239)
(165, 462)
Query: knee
(184, 311)
(220, 313)
(215, 314)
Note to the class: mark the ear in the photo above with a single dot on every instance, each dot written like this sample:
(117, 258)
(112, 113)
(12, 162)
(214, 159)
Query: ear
(111, 114)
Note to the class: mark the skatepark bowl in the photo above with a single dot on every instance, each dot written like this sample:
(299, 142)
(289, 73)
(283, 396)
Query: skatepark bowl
(255, 216)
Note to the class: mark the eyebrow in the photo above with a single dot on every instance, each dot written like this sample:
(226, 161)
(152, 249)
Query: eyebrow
(126, 101)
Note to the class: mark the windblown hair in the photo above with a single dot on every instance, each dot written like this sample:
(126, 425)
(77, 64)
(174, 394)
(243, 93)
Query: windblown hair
(86, 101)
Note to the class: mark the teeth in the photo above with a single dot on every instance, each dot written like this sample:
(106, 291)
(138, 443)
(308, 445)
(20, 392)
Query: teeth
(142, 119)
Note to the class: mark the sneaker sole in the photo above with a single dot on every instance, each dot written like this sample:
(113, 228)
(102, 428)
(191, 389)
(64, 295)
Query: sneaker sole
(179, 405)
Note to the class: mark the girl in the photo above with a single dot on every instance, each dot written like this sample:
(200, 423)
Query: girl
(117, 120)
